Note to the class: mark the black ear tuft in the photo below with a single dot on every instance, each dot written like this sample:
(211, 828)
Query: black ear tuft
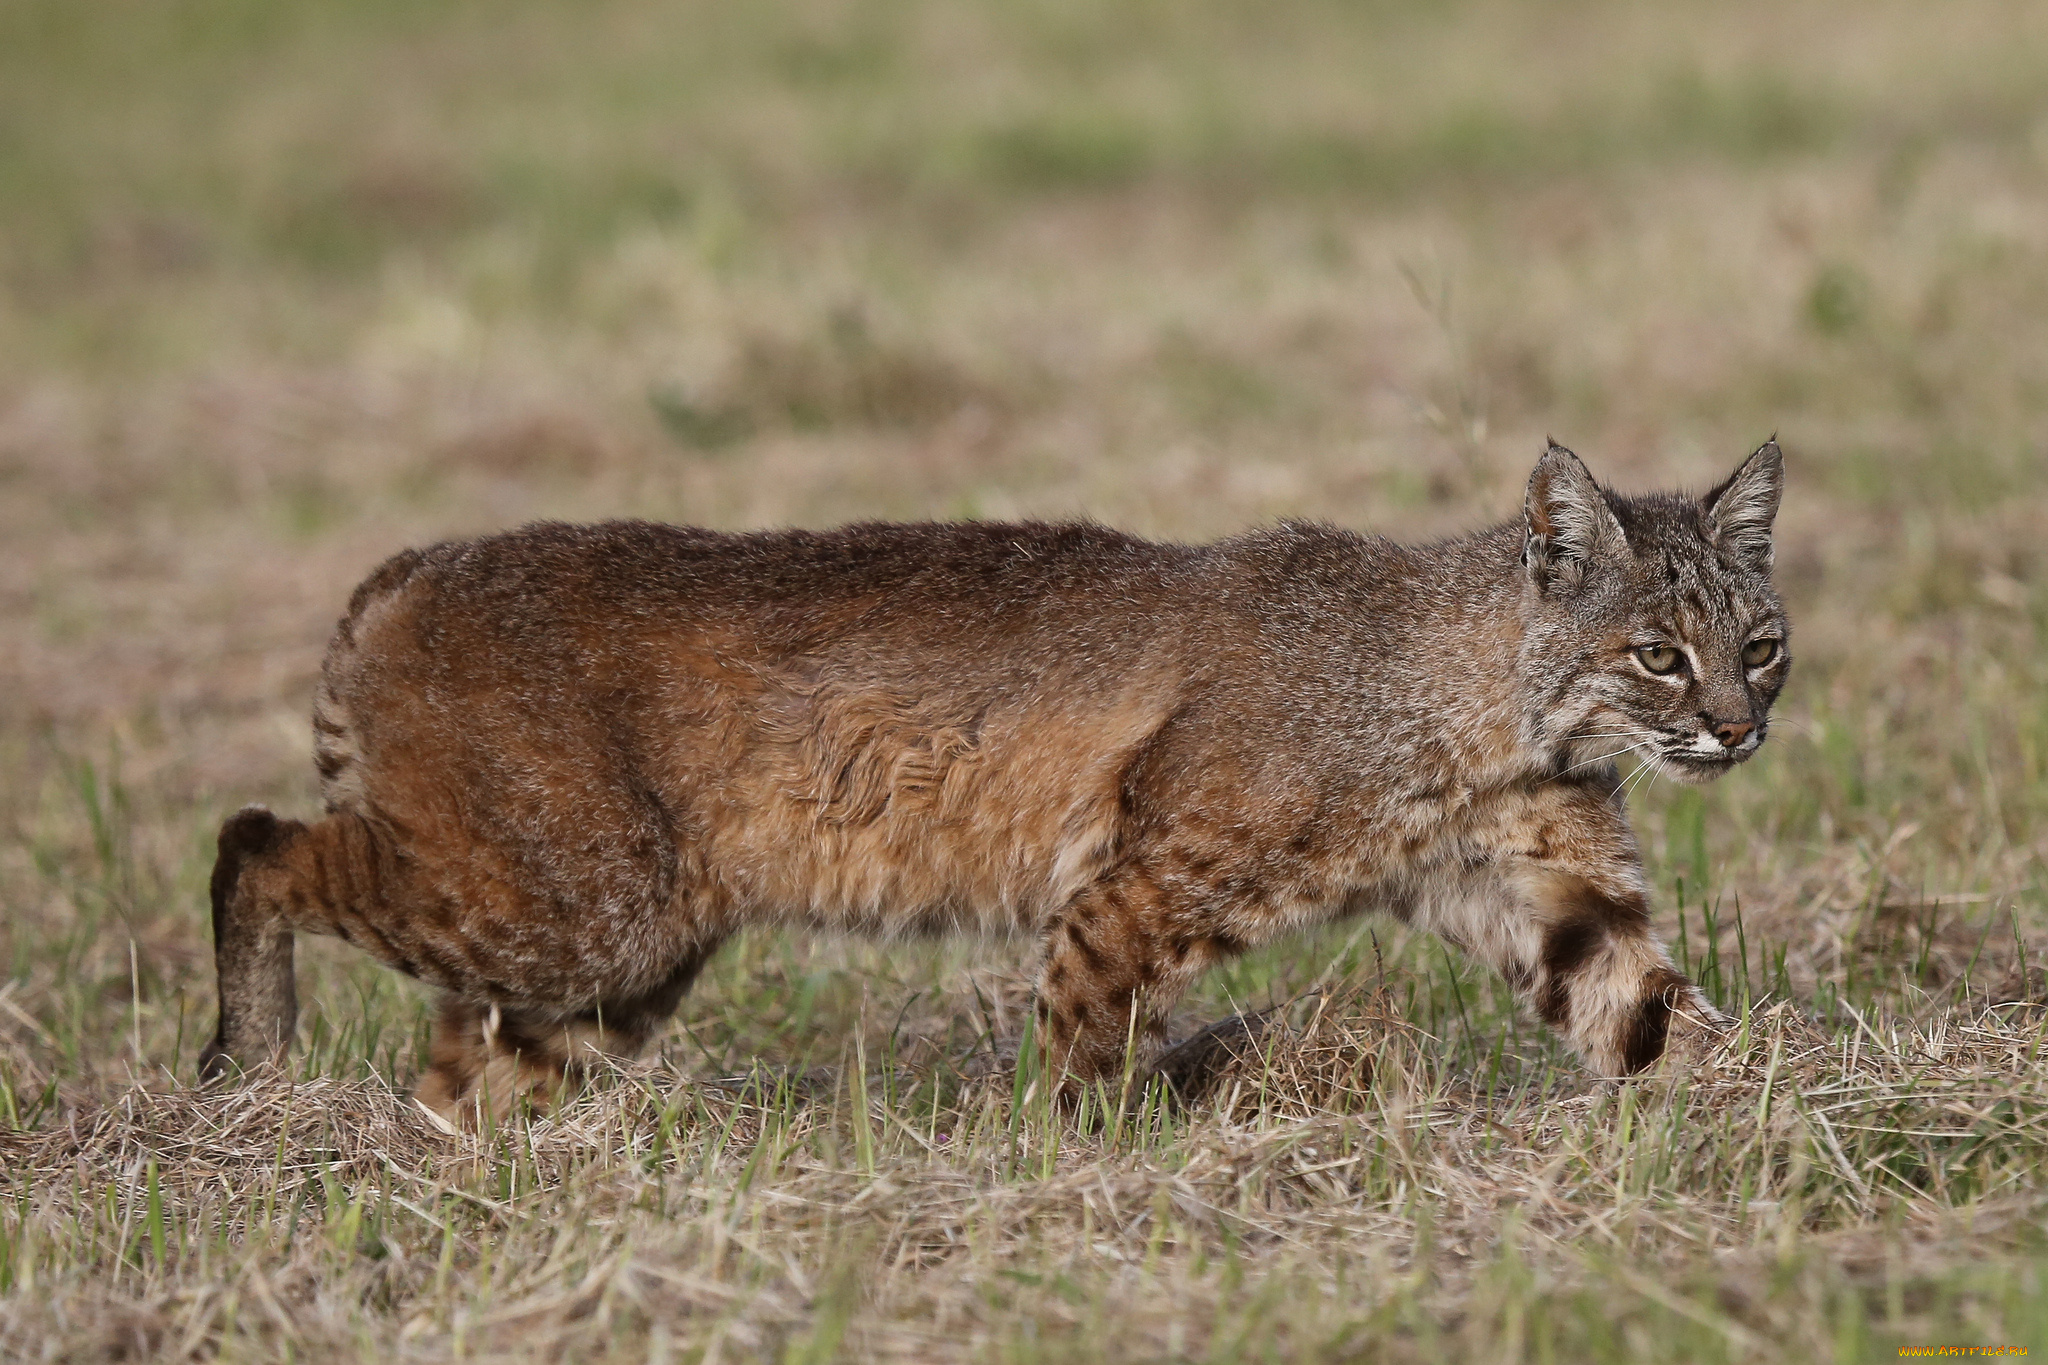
(1568, 526)
(1740, 512)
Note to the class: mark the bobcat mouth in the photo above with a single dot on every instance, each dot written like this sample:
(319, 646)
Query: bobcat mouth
(1692, 763)
(1702, 755)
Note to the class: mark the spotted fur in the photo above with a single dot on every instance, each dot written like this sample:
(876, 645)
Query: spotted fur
(563, 764)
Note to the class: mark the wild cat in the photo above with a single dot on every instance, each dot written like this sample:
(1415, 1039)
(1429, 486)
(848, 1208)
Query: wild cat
(561, 765)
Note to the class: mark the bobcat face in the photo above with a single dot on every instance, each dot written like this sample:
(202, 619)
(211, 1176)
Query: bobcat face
(1658, 616)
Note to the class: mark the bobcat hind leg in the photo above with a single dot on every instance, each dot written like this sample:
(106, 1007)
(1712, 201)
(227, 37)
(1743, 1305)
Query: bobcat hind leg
(485, 1059)
(252, 944)
(273, 878)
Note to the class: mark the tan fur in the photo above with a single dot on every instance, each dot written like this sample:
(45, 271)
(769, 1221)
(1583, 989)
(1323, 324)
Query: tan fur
(562, 765)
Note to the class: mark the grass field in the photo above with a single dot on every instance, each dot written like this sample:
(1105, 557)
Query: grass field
(288, 284)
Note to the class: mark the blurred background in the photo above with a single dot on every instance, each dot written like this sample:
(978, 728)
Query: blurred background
(286, 285)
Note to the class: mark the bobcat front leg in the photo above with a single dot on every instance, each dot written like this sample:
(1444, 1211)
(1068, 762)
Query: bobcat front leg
(1599, 975)
(1115, 961)
(1566, 920)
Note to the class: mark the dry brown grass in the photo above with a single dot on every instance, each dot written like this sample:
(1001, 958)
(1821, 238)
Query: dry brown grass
(1308, 1211)
(286, 286)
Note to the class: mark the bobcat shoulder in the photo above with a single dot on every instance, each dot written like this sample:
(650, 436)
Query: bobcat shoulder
(561, 765)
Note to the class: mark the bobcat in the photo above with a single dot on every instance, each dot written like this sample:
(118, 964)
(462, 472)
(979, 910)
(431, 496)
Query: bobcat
(562, 764)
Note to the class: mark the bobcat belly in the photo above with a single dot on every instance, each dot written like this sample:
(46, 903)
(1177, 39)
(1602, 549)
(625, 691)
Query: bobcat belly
(856, 809)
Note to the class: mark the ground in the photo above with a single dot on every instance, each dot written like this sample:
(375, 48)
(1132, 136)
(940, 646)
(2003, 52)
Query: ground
(287, 285)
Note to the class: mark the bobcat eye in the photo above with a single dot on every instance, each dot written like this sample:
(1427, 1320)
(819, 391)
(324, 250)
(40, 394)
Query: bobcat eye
(1757, 653)
(1659, 658)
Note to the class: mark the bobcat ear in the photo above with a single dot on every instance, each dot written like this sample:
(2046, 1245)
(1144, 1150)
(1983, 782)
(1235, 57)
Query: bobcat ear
(1739, 513)
(1568, 526)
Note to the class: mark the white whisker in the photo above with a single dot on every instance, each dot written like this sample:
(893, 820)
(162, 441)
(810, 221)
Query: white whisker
(1598, 758)
(1635, 779)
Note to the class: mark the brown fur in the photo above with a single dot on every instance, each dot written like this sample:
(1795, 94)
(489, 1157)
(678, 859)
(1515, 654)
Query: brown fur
(563, 764)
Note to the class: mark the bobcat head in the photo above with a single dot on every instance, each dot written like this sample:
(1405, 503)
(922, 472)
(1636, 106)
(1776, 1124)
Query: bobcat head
(1653, 628)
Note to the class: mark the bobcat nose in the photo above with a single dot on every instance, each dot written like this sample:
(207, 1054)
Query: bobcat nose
(1732, 732)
